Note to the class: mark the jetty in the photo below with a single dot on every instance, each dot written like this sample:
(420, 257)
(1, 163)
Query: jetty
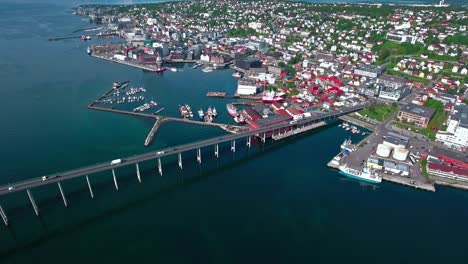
(216, 94)
(128, 63)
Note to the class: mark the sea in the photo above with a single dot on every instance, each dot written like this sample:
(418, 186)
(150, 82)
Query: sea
(273, 203)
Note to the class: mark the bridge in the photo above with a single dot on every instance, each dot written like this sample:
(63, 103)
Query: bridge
(263, 133)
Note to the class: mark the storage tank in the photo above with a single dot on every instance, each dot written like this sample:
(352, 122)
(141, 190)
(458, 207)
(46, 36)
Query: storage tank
(400, 153)
(383, 150)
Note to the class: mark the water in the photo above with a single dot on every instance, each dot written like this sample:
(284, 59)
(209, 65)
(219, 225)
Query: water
(277, 203)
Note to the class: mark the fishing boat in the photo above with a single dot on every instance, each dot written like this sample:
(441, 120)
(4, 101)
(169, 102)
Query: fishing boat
(207, 69)
(173, 69)
(215, 113)
(346, 143)
(364, 174)
(160, 69)
(201, 114)
(239, 119)
(88, 50)
(236, 75)
(232, 110)
(183, 111)
(189, 110)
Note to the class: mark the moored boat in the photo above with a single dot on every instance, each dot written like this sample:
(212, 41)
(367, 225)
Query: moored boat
(201, 114)
(270, 97)
(215, 113)
(364, 175)
(236, 75)
(346, 143)
(160, 69)
(232, 110)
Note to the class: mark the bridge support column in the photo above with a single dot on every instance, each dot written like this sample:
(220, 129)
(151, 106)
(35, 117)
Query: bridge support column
(159, 166)
(4, 217)
(216, 151)
(180, 160)
(115, 180)
(248, 141)
(264, 137)
(138, 172)
(199, 155)
(63, 194)
(89, 187)
(233, 145)
(31, 198)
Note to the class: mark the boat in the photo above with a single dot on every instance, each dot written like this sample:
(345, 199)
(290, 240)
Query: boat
(236, 75)
(215, 113)
(232, 110)
(197, 65)
(183, 111)
(201, 114)
(345, 125)
(88, 50)
(364, 175)
(116, 85)
(160, 69)
(347, 128)
(209, 111)
(189, 110)
(346, 143)
(173, 69)
(240, 119)
(207, 69)
(85, 38)
(271, 96)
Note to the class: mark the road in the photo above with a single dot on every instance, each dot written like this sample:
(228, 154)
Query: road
(36, 182)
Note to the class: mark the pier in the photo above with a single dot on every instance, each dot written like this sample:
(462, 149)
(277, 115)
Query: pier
(152, 132)
(216, 94)
(152, 68)
(78, 37)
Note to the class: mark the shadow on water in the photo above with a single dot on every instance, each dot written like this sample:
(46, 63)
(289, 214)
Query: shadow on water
(182, 182)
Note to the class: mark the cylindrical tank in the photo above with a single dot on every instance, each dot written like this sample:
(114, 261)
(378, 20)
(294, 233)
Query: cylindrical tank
(400, 153)
(383, 150)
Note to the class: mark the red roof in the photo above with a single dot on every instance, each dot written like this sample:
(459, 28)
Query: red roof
(448, 169)
(453, 161)
(283, 112)
(293, 111)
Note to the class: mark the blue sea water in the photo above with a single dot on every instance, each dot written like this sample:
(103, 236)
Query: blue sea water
(278, 203)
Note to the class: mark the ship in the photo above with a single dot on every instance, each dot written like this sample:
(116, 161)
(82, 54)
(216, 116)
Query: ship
(201, 114)
(85, 38)
(215, 113)
(88, 50)
(270, 97)
(232, 110)
(173, 69)
(364, 175)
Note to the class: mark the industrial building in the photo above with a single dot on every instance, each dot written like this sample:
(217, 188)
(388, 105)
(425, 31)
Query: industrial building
(415, 114)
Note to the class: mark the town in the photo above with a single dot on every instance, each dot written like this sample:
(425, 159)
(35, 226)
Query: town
(295, 60)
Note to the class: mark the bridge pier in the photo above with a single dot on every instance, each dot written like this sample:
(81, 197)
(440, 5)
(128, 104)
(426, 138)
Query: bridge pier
(233, 145)
(159, 166)
(264, 137)
(63, 194)
(115, 180)
(180, 160)
(138, 172)
(31, 198)
(248, 141)
(89, 187)
(216, 151)
(4, 217)
(199, 155)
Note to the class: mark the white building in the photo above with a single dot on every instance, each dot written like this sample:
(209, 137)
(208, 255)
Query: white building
(456, 135)
(246, 87)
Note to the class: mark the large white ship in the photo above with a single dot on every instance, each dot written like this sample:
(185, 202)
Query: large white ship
(363, 175)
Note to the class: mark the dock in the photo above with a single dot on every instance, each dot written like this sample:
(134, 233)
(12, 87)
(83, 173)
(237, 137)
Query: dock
(298, 131)
(216, 94)
(358, 122)
(152, 132)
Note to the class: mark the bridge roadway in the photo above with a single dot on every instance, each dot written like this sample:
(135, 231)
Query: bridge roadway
(60, 176)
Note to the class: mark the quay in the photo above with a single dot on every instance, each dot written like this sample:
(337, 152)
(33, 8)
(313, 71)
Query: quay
(134, 160)
(298, 130)
(128, 63)
(77, 37)
(358, 122)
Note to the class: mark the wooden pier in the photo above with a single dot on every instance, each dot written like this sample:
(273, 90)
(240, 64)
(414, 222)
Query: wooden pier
(216, 94)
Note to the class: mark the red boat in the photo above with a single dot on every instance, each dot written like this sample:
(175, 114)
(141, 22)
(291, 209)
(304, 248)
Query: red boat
(161, 69)
(232, 110)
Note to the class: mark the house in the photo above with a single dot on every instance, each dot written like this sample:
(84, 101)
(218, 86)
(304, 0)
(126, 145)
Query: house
(456, 135)
(419, 115)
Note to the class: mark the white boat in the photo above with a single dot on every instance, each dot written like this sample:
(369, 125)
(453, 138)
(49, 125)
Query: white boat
(88, 50)
(346, 143)
(207, 69)
(215, 113)
(236, 75)
(364, 175)
(173, 69)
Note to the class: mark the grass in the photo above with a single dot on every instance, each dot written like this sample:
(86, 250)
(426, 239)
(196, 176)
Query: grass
(424, 170)
(379, 112)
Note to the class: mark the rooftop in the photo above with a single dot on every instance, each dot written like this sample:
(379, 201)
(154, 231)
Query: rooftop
(419, 110)
(461, 114)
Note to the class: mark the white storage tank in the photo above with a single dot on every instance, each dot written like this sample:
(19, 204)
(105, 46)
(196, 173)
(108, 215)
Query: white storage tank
(400, 153)
(383, 150)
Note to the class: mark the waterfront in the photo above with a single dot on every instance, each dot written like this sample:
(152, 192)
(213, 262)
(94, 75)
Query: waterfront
(279, 205)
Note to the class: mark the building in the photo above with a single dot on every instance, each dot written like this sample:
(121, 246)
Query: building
(248, 63)
(394, 93)
(388, 166)
(370, 71)
(456, 135)
(418, 115)
(246, 87)
(257, 45)
(392, 81)
(251, 115)
(269, 121)
(448, 172)
(400, 37)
